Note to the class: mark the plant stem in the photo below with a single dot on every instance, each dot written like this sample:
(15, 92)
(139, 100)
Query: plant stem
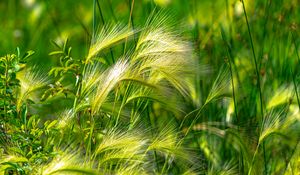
(194, 120)
(94, 19)
(130, 21)
(100, 11)
(258, 79)
(131, 15)
(297, 96)
(165, 165)
(152, 133)
(267, 12)
(89, 144)
(229, 53)
(294, 74)
(253, 158)
(5, 89)
(103, 23)
(255, 60)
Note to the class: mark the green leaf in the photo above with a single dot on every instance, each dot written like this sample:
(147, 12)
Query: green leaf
(56, 52)
(18, 52)
(69, 50)
(24, 114)
(27, 55)
(65, 46)
(74, 170)
(53, 123)
(55, 44)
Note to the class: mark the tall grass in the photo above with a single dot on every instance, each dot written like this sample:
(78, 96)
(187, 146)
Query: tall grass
(189, 89)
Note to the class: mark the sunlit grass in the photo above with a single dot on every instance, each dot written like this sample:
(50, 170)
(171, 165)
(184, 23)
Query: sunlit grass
(150, 87)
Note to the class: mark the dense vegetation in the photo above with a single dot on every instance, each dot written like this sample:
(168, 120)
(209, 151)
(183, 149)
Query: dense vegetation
(149, 87)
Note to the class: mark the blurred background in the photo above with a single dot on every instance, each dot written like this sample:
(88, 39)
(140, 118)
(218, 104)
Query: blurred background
(32, 24)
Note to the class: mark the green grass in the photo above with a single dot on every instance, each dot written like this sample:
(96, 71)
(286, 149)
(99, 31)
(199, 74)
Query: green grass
(150, 87)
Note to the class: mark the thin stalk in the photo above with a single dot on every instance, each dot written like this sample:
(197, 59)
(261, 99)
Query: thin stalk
(85, 63)
(5, 94)
(253, 158)
(255, 153)
(194, 120)
(103, 23)
(152, 124)
(89, 144)
(267, 12)
(229, 53)
(131, 12)
(255, 60)
(295, 45)
(197, 50)
(123, 104)
(130, 21)
(78, 91)
(112, 11)
(94, 19)
(165, 165)
(231, 43)
(115, 101)
(258, 79)
(233, 92)
(100, 11)
(229, 20)
(294, 74)
(78, 94)
(290, 158)
(297, 95)
(132, 114)
(5, 87)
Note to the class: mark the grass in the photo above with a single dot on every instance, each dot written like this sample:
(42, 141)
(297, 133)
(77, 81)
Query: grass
(150, 87)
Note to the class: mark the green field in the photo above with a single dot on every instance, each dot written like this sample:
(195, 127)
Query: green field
(134, 87)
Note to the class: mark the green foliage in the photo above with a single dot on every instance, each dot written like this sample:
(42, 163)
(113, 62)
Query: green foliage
(195, 87)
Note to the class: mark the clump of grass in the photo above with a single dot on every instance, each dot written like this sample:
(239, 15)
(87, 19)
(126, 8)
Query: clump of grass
(143, 99)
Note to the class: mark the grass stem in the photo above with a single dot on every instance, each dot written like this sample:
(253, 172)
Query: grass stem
(258, 78)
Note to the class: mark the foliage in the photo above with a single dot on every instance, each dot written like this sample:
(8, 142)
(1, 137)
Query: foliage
(164, 87)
